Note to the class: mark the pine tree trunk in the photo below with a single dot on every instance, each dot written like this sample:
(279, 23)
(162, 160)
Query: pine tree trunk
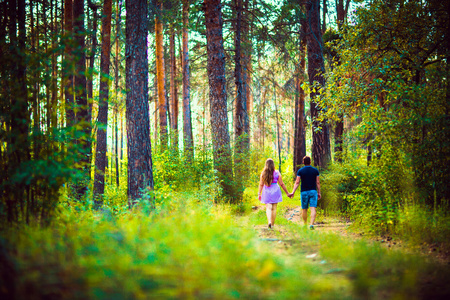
(324, 15)
(116, 148)
(218, 95)
(247, 60)
(140, 174)
(316, 70)
(116, 87)
(278, 127)
(300, 120)
(263, 120)
(341, 12)
(156, 110)
(47, 75)
(160, 74)
(17, 118)
(173, 91)
(100, 151)
(241, 118)
(68, 64)
(82, 115)
(90, 84)
(54, 88)
(241, 123)
(187, 122)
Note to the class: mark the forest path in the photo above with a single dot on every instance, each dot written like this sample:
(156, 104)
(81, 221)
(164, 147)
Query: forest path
(285, 242)
(341, 228)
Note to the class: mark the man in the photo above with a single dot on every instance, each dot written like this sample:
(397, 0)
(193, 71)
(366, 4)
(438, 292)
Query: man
(309, 191)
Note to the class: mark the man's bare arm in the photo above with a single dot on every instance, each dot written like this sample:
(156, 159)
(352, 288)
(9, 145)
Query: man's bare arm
(296, 184)
(318, 187)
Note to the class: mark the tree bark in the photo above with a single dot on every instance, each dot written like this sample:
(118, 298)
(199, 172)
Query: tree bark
(187, 119)
(341, 12)
(278, 127)
(17, 118)
(90, 83)
(54, 88)
(116, 87)
(140, 173)
(241, 117)
(241, 123)
(324, 15)
(173, 91)
(316, 70)
(100, 152)
(160, 74)
(67, 63)
(247, 60)
(82, 115)
(263, 119)
(218, 95)
(300, 120)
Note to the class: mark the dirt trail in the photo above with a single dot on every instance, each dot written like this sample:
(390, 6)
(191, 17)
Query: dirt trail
(341, 227)
(327, 225)
(280, 235)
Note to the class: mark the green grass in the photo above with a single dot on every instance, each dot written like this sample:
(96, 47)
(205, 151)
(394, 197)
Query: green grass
(188, 250)
(191, 248)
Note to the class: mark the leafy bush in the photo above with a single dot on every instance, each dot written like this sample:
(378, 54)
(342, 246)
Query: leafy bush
(419, 223)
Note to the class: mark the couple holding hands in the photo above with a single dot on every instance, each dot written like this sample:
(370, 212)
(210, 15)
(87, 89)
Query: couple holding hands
(270, 193)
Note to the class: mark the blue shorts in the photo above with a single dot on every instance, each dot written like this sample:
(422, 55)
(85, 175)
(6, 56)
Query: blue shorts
(309, 199)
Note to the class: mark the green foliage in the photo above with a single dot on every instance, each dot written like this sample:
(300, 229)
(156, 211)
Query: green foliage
(190, 251)
(382, 199)
(38, 179)
(186, 246)
(419, 224)
(370, 195)
(375, 271)
(391, 80)
(381, 191)
(173, 172)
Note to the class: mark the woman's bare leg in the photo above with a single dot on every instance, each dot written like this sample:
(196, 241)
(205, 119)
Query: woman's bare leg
(269, 212)
(274, 213)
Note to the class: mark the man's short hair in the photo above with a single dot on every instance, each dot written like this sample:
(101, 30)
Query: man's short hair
(306, 160)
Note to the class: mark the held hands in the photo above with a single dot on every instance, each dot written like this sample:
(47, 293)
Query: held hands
(290, 195)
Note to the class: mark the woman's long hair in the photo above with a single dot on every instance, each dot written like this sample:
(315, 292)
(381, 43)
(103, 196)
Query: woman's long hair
(267, 173)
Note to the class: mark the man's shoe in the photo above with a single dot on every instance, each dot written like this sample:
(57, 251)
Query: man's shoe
(311, 227)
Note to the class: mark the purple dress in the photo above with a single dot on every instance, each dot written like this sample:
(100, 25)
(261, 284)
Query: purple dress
(272, 193)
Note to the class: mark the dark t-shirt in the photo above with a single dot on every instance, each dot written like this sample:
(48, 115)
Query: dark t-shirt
(308, 176)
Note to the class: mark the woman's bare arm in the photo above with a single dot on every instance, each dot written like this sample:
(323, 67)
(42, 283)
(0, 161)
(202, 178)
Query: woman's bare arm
(280, 180)
(261, 184)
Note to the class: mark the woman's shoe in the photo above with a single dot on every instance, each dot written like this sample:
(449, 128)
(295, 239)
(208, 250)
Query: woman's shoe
(270, 225)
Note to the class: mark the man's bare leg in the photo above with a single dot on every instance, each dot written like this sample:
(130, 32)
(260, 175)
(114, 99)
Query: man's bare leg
(305, 216)
(313, 215)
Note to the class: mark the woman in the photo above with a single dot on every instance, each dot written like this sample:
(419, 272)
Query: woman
(269, 192)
